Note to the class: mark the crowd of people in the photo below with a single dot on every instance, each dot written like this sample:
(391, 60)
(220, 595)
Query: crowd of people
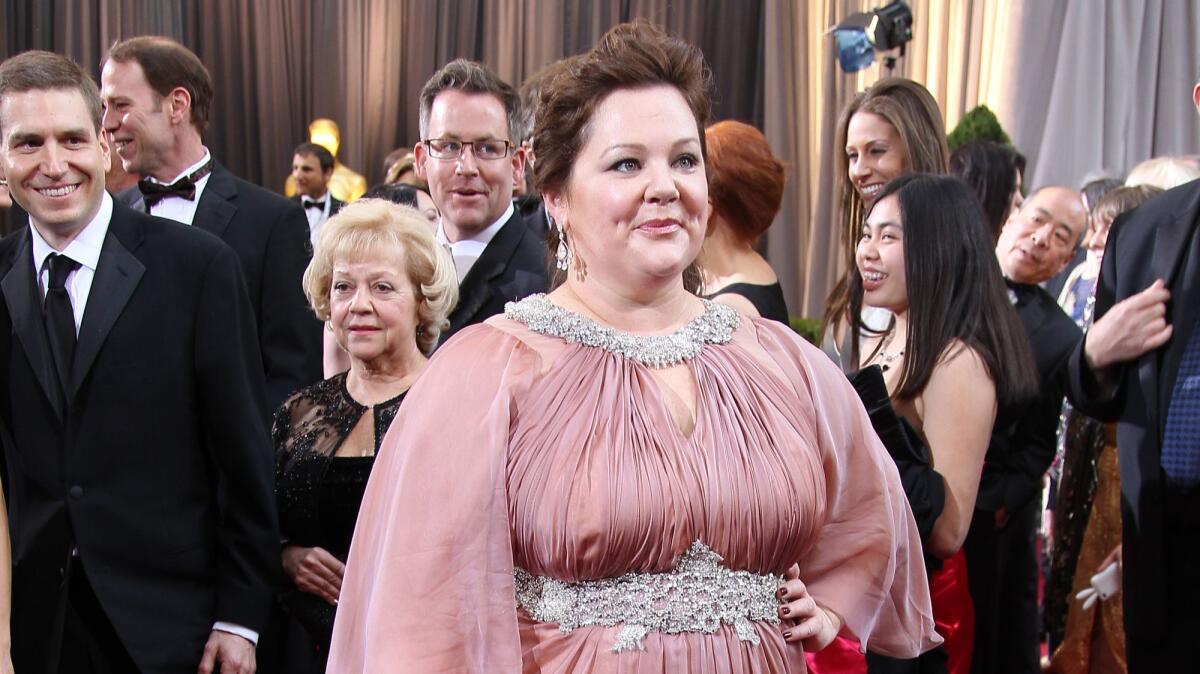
(534, 403)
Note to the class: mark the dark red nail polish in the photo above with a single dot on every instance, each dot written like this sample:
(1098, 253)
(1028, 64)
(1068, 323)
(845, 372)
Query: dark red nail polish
(787, 635)
(785, 610)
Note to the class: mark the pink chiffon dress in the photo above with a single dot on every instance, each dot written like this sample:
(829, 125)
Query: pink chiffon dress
(537, 460)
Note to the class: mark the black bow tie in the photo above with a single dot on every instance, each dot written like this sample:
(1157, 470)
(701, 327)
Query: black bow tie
(184, 188)
(319, 205)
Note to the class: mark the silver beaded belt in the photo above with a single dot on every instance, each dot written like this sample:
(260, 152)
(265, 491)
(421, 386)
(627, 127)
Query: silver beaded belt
(698, 595)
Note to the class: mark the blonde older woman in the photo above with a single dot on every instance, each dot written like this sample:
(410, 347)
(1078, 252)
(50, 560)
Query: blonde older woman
(384, 286)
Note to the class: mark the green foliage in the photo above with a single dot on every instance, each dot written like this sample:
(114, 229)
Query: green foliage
(978, 124)
(808, 328)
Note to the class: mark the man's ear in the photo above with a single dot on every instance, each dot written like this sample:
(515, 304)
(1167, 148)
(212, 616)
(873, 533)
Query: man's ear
(180, 102)
(419, 159)
(1196, 96)
(518, 164)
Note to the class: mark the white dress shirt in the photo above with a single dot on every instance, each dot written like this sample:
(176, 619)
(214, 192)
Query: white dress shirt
(316, 218)
(85, 249)
(467, 251)
(178, 208)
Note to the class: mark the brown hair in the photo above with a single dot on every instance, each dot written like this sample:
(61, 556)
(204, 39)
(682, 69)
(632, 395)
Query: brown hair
(371, 227)
(745, 178)
(1121, 200)
(43, 70)
(471, 78)
(630, 55)
(914, 114)
(167, 65)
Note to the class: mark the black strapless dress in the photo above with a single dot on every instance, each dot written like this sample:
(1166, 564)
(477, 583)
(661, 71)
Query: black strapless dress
(768, 300)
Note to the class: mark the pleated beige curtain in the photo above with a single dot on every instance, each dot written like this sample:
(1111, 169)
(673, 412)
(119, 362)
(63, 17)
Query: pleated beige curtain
(956, 52)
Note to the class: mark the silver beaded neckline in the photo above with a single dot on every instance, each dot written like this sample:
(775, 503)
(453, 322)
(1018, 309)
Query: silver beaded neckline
(714, 326)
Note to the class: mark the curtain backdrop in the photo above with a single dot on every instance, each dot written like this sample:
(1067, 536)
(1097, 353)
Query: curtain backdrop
(1080, 85)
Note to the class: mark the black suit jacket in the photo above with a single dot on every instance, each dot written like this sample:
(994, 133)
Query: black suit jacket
(271, 238)
(1023, 442)
(1157, 241)
(158, 470)
(513, 266)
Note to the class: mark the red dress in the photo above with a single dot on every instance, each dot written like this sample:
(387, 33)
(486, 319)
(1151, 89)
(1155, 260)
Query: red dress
(953, 614)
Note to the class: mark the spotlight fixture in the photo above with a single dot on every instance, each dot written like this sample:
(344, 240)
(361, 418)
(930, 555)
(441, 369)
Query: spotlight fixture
(862, 34)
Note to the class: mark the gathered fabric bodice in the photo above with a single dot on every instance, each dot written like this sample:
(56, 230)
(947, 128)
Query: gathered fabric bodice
(543, 441)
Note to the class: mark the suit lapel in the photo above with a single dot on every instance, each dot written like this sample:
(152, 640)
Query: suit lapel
(23, 297)
(475, 289)
(216, 207)
(117, 275)
(1171, 241)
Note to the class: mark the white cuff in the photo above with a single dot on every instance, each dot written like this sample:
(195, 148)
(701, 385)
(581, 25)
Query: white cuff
(247, 634)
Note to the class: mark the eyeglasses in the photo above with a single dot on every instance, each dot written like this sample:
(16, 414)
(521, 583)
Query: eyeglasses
(446, 148)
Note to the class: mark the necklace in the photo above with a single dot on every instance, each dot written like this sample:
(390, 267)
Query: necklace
(886, 359)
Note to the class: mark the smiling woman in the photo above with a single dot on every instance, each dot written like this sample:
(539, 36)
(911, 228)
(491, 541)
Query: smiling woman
(892, 128)
(626, 439)
(953, 357)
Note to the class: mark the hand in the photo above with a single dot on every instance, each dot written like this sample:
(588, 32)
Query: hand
(234, 654)
(803, 619)
(1131, 328)
(1114, 556)
(314, 571)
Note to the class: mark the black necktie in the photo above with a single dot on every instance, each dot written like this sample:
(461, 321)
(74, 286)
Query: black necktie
(60, 317)
(184, 188)
(319, 205)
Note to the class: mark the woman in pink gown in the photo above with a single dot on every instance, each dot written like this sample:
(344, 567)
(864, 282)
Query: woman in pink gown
(620, 476)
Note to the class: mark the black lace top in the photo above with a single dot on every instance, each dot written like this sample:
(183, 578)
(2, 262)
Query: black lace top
(319, 494)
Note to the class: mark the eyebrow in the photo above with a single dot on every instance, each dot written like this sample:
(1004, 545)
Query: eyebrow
(885, 223)
(691, 140)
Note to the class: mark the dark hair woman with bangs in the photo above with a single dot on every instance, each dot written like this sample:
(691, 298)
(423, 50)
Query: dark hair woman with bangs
(952, 359)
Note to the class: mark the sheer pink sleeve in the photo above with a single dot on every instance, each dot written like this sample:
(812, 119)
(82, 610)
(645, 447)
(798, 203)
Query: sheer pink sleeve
(866, 562)
(429, 585)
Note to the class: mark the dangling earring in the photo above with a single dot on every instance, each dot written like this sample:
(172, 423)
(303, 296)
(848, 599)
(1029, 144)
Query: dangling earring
(562, 256)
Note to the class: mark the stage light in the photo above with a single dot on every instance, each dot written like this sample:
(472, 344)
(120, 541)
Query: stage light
(862, 34)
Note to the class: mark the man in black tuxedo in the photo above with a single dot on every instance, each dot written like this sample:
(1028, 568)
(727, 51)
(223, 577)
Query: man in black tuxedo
(157, 98)
(312, 167)
(1140, 365)
(144, 532)
(1036, 242)
(468, 156)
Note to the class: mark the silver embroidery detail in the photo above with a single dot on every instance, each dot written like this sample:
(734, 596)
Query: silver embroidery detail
(698, 595)
(714, 326)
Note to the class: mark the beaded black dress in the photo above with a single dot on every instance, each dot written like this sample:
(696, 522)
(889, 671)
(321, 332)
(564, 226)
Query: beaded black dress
(318, 493)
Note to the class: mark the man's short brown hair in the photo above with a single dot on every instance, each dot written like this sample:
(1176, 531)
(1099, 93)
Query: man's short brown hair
(167, 65)
(43, 70)
(471, 78)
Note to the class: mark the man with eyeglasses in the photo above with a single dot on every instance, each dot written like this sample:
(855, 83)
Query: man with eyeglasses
(468, 157)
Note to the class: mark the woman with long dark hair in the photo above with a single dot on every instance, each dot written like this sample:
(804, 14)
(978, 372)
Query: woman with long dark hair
(952, 358)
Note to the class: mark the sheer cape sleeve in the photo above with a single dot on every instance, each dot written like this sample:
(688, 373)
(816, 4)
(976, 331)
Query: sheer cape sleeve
(866, 563)
(429, 584)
